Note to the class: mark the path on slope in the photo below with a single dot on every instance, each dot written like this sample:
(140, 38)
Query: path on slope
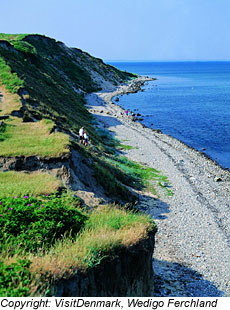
(192, 252)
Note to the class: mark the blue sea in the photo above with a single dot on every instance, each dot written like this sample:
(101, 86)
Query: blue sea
(189, 101)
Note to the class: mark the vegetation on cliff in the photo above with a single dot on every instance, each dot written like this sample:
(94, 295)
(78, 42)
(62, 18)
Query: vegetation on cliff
(43, 85)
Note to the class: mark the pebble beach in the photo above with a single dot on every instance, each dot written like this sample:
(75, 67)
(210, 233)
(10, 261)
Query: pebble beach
(192, 250)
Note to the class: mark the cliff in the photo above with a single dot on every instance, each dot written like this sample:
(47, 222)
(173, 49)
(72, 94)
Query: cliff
(42, 107)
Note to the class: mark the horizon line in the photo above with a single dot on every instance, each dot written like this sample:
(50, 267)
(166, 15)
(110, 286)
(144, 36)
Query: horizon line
(164, 60)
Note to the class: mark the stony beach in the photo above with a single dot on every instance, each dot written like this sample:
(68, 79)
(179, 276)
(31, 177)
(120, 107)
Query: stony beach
(192, 252)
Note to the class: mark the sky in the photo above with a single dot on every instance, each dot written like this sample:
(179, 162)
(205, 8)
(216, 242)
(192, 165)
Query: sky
(122, 30)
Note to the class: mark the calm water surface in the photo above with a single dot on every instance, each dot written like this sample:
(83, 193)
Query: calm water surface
(189, 100)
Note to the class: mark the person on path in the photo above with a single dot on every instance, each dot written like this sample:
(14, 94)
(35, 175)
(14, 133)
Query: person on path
(85, 138)
(81, 134)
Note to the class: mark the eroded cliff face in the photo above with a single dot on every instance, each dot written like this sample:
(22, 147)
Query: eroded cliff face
(52, 82)
(128, 273)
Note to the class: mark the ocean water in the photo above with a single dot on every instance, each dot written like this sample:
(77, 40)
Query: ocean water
(189, 101)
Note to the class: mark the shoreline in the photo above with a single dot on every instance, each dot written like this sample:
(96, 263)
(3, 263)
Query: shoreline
(192, 250)
(135, 86)
(202, 153)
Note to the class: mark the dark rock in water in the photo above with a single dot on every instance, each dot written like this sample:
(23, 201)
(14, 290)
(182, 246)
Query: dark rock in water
(203, 149)
(141, 119)
(138, 114)
(158, 131)
(117, 99)
(101, 111)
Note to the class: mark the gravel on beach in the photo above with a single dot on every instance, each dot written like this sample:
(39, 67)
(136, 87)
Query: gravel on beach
(192, 251)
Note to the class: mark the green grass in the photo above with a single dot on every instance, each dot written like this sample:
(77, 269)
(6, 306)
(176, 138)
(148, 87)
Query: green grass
(107, 178)
(20, 138)
(107, 230)
(113, 171)
(104, 232)
(10, 80)
(58, 71)
(51, 74)
(114, 218)
(14, 183)
(24, 47)
(31, 225)
(126, 147)
(139, 176)
(12, 37)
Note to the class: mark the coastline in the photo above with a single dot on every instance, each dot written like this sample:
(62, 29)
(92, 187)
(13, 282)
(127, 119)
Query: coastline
(192, 222)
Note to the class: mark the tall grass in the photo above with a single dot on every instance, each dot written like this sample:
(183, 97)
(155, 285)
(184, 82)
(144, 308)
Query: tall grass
(14, 183)
(107, 229)
(32, 138)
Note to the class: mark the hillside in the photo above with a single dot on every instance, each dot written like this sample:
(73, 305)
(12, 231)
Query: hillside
(52, 188)
(44, 86)
(51, 79)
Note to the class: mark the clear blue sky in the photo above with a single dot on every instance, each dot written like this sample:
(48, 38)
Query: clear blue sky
(127, 29)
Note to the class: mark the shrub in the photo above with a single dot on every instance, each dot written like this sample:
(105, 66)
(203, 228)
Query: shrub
(15, 279)
(31, 224)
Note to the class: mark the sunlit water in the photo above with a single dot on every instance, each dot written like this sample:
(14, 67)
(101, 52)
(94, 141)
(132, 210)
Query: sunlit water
(189, 100)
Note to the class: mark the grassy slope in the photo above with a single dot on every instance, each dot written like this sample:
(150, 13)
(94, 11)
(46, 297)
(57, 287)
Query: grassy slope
(49, 73)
